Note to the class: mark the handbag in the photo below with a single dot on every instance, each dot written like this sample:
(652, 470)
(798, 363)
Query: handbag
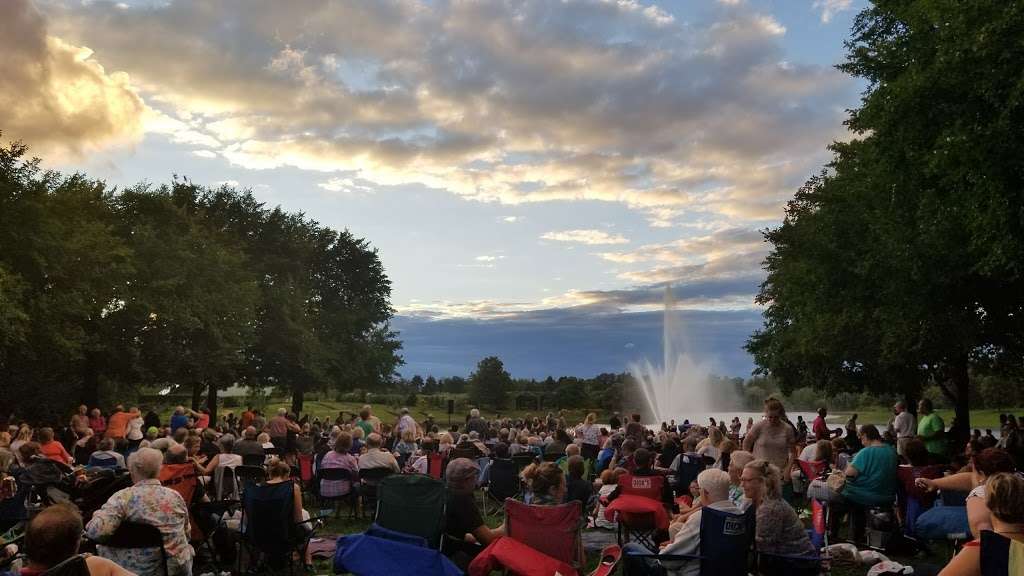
(836, 481)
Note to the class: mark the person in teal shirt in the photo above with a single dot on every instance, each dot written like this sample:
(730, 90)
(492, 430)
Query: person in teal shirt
(870, 481)
(931, 429)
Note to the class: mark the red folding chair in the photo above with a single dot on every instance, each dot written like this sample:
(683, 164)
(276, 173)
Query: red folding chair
(641, 527)
(553, 530)
(183, 479)
(435, 465)
(306, 469)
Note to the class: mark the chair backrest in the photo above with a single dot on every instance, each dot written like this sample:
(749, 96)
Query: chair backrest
(413, 504)
(435, 465)
(102, 461)
(504, 479)
(73, 566)
(335, 474)
(247, 475)
(646, 486)
(995, 554)
(181, 478)
(268, 517)
(470, 453)
(690, 465)
(253, 459)
(374, 475)
(306, 467)
(812, 470)
(725, 541)
(553, 530)
(138, 535)
(524, 459)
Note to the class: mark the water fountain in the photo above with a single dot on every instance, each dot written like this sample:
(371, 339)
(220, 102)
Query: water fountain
(680, 386)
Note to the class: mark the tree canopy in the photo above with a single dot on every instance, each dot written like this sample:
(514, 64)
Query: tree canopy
(900, 264)
(102, 291)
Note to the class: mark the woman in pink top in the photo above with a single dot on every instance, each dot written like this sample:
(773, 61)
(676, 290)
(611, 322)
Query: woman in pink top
(97, 422)
(773, 439)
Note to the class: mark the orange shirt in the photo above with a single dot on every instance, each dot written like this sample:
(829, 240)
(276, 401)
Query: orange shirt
(117, 424)
(55, 451)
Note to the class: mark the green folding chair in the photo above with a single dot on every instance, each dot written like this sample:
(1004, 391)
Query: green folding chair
(413, 504)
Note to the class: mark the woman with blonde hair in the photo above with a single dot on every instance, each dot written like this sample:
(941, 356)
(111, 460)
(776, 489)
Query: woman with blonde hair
(779, 530)
(546, 483)
(1004, 497)
(590, 438)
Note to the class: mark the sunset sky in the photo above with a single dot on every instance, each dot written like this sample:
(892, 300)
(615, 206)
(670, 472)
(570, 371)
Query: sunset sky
(532, 172)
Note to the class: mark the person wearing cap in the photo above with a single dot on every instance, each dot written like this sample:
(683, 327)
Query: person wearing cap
(464, 525)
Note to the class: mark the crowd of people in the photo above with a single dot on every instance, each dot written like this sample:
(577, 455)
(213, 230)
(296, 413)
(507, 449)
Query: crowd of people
(771, 467)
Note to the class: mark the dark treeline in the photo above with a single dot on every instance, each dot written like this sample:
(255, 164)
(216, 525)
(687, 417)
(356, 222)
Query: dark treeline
(900, 268)
(104, 291)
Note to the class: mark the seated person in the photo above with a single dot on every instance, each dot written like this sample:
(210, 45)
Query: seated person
(739, 459)
(1004, 498)
(609, 481)
(50, 448)
(106, 452)
(546, 484)
(466, 532)
(248, 445)
(779, 530)
(871, 480)
(279, 472)
(225, 455)
(146, 502)
(714, 493)
(53, 536)
(570, 451)
(406, 447)
(578, 488)
(421, 462)
(984, 464)
(376, 457)
(644, 460)
(340, 457)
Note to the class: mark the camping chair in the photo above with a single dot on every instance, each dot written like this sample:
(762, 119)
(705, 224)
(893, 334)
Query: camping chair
(382, 552)
(690, 465)
(369, 480)
(523, 459)
(306, 469)
(183, 479)
(253, 460)
(73, 566)
(504, 483)
(246, 476)
(104, 461)
(435, 465)
(225, 483)
(995, 554)
(413, 504)
(725, 543)
(472, 454)
(136, 535)
(640, 527)
(337, 475)
(270, 534)
(219, 511)
(553, 530)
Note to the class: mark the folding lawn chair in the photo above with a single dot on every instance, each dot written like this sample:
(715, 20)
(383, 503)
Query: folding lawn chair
(504, 483)
(641, 527)
(725, 543)
(413, 504)
(246, 476)
(553, 530)
(136, 535)
(270, 535)
(435, 465)
(338, 475)
(690, 465)
(369, 481)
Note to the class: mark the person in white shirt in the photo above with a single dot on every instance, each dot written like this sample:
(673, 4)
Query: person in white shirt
(714, 493)
(375, 457)
(904, 426)
(405, 422)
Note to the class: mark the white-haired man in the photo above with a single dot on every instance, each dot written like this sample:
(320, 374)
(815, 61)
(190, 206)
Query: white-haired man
(476, 423)
(714, 493)
(146, 502)
(405, 422)
(376, 457)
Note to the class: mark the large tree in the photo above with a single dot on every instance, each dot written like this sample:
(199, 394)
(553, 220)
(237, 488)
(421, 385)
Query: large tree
(489, 385)
(901, 264)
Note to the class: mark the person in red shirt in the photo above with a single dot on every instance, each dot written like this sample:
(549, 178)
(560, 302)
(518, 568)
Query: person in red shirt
(820, 429)
(117, 423)
(50, 448)
(247, 418)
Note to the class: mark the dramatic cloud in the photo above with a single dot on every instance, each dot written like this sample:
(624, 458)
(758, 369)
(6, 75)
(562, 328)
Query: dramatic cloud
(54, 95)
(592, 237)
(515, 102)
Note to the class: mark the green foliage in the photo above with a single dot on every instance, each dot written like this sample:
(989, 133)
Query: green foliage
(101, 292)
(900, 266)
(489, 385)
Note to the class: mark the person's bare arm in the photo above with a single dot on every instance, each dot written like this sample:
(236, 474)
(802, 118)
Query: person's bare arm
(102, 567)
(959, 482)
(978, 516)
(851, 471)
(966, 563)
(485, 535)
(297, 497)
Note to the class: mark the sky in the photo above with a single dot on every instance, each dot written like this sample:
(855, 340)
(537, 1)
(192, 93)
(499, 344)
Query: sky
(533, 174)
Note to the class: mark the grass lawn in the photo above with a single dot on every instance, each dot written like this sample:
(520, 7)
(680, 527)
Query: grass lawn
(980, 419)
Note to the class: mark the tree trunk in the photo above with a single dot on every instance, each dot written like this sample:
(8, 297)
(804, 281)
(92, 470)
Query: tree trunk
(211, 402)
(298, 396)
(960, 381)
(197, 395)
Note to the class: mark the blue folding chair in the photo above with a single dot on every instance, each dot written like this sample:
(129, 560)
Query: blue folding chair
(103, 461)
(995, 554)
(690, 465)
(725, 543)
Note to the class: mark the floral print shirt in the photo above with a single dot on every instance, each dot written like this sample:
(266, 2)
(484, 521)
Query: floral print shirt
(150, 503)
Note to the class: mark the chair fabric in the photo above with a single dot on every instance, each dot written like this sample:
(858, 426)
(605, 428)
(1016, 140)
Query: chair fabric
(1000, 556)
(725, 542)
(646, 486)
(690, 465)
(552, 530)
(413, 504)
(374, 554)
(138, 535)
(269, 529)
(246, 476)
(97, 461)
(336, 474)
(435, 465)
(504, 480)
(306, 468)
(517, 558)
(183, 479)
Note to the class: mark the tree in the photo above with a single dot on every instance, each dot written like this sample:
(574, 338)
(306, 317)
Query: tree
(489, 385)
(900, 266)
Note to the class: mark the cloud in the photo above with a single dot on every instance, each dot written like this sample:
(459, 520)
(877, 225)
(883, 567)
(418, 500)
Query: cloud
(590, 237)
(54, 95)
(829, 8)
(513, 102)
(489, 258)
(510, 219)
(347, 185)
(205, 153)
